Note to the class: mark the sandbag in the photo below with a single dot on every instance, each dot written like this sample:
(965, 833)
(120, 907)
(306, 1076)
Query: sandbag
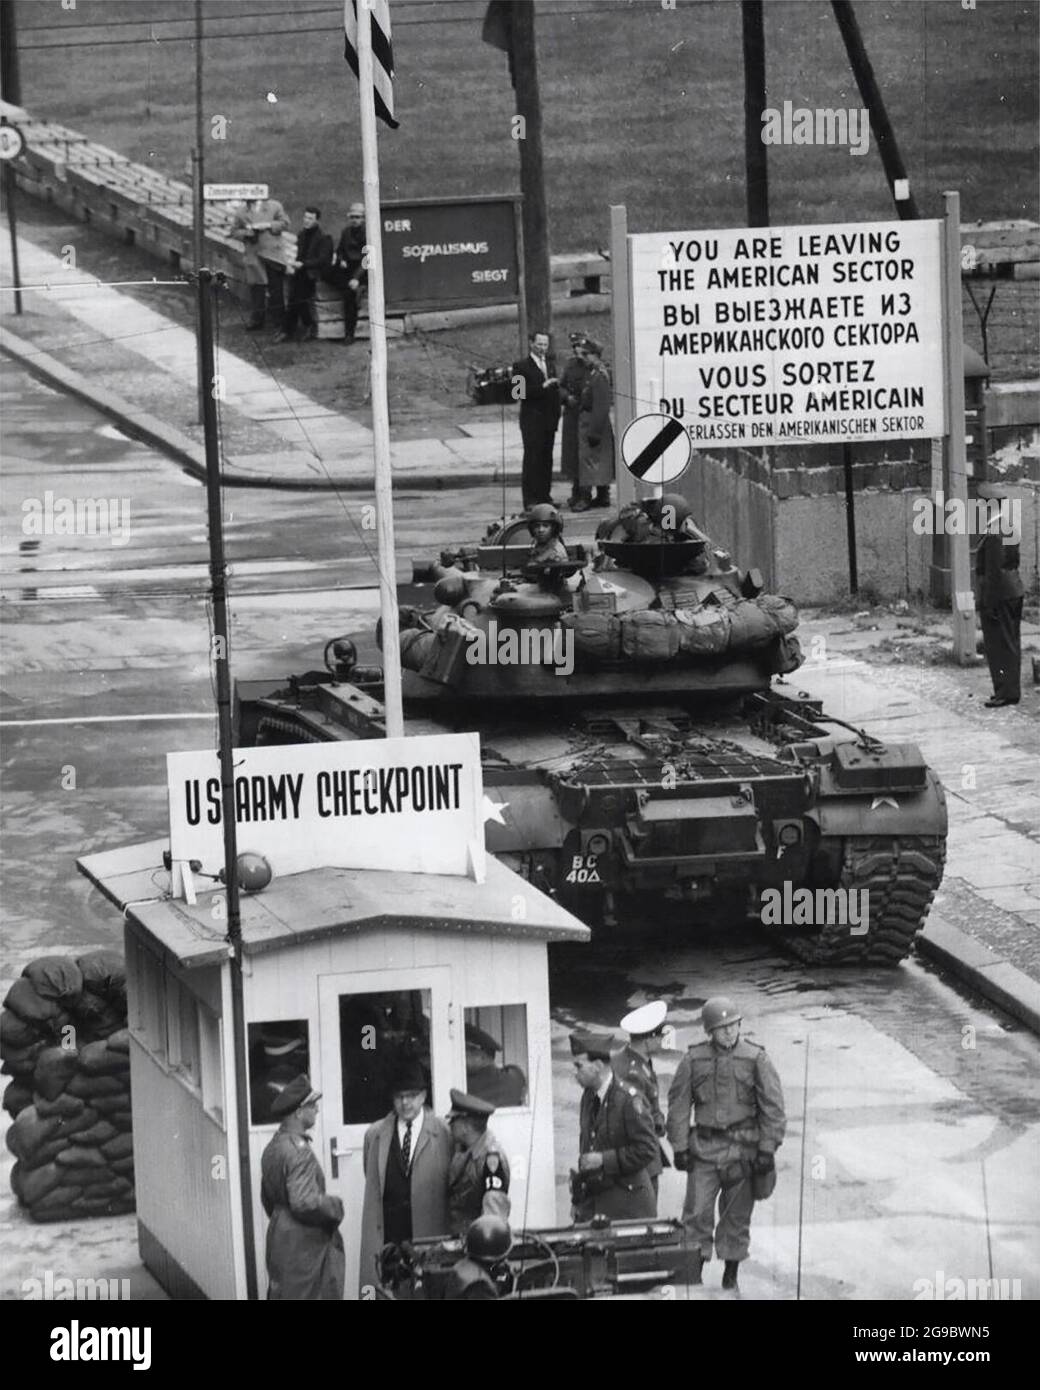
(96, 1060)
(91, 1086)
(79, 1124)
(56, 1069)
(122, 1146)
(86, 1158)
(47, 1152)
(63, 1104)
(110, 1106)
(597, 634)
(21, 1061)
(17, 1095)
(14, 1032)
(94, 1179)
(56, 1204)
(55, 977)
(120, 1041)
(104, 973)
(96, 1018)
(123, 1166)
(30, 1132)
(30, 1007)
(98, 1133)
(650, 636)
(104, 1206)
(35, 1183)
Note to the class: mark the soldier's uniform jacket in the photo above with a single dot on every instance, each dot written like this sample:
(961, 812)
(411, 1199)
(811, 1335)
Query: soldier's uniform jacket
(996, 568)
(632, 1067)
(469, 1282)
(623, 1132)
(478, 1184)
(547, 552)
(733, 1096)
(305, 1258)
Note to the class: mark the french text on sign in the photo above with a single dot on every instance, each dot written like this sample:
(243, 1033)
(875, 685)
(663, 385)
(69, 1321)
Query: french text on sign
(656, 449)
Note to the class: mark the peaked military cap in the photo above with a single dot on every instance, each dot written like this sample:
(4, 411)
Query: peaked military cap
(476, 1037)
(647, 1020)
(291, 1097)
(466, 1106)
(597, 1046)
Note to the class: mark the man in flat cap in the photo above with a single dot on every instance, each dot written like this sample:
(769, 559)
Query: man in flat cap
(725, 1122)
(634, 1064)
(478, 1178)
(502, 1086)
(305, 1257)
(347, 271)
(617, 1143)
(406, 1159)
(1001, 594)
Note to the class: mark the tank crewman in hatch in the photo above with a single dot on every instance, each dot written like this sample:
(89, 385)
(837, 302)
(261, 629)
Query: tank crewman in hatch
(725, 1122)
(634, 1064)
(473, 1280)
(485, 1078)
(305, 1257)
(478, 1177)
(617, 1144)
(545, 527)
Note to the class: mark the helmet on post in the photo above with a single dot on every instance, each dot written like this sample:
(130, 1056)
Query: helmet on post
(544, 512)
(489, 1238)
(718, 1012)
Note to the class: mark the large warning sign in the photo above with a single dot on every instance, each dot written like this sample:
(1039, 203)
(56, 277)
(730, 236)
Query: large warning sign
(787, 335)
(413, 804)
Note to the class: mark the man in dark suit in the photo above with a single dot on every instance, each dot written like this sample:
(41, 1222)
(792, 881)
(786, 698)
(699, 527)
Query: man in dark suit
(1000, 598)
(634, 1064)
(617, 1142)
(348, 271)
(313, 257)
(536, 387)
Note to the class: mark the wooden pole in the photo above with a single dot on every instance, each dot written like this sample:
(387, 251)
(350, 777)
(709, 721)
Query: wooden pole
(625, 409)
(755, 161)
(11, 91)
(963, 600)
(537, 272)
(387, 560)
(891, 159)
(198, 206)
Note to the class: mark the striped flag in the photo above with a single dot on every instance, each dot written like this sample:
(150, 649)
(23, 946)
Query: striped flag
(382, 54)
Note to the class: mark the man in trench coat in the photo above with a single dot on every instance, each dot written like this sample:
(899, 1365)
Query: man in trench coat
(407, 1155)
(304, 1247)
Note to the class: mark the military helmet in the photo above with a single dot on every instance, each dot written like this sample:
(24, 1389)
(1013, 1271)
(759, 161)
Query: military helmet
(489, 1238)
(718, 1012)
(543, 511)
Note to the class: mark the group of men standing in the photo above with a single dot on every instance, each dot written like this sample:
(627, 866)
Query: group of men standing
(582, 396)
(281, 292)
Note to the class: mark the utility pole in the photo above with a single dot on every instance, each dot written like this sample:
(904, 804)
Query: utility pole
(198, 205)
(755, 161)
(537, 273)
(11, 91)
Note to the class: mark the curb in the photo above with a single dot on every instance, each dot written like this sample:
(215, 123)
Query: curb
(168, 440)
(994, 977)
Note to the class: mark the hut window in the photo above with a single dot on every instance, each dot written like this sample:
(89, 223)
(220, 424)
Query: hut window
(210, 1068)
(381, 1035)
(182, 1029)
(148, 992)
(278, 1052)
(496, 1053)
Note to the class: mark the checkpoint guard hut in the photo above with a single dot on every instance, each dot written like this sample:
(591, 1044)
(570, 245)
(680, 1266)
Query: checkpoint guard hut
(345, 972)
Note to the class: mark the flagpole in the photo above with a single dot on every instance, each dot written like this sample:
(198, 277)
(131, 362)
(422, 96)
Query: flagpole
(380, 407)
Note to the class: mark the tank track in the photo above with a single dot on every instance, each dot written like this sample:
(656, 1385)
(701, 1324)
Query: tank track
(901, 874)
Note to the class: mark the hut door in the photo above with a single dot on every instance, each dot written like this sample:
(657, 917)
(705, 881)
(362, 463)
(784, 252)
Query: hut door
(373, 1024)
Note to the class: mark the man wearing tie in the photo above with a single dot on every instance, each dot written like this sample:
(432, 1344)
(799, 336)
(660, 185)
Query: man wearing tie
(407, 1155)
(536, 387)
(617, 1143)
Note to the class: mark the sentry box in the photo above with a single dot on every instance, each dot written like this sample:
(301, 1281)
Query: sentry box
(345, 971)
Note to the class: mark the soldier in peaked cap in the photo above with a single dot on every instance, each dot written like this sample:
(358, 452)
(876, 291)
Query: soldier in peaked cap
(617, 1143)
(501, 1086)
(478, 1177)
(634, 1064)
(725, 1122)
(305, 1257)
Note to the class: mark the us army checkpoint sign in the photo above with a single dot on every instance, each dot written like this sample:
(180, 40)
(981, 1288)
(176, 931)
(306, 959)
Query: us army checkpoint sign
(412, 804)
(788, 335)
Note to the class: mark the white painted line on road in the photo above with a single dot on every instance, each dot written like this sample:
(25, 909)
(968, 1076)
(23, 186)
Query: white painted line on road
(103, 719)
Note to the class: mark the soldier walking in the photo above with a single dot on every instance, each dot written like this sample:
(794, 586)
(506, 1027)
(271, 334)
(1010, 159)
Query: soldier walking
(478, 1176)
(617, 1143)
(725, 1122)
(634, 1065)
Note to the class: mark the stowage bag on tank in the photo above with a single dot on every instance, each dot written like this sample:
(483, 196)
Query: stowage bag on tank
(597, 634)
(703, 632)
(650, 636)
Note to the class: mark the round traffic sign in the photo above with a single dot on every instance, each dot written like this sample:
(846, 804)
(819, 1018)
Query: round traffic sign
(656, 448)
(12, 142)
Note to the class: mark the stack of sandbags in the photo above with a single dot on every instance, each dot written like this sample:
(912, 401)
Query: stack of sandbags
(63, 1038)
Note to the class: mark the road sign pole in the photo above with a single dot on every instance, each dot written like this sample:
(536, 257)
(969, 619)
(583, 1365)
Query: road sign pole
(12, 222)
(621, 316)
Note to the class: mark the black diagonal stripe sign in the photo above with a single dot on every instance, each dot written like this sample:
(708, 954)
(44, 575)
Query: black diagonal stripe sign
(656, 442)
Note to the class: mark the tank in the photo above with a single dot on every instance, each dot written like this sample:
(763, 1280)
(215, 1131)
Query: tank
(644, 758)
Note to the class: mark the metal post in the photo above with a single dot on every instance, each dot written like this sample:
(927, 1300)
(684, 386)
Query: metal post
(380, 418)
(12, 222)
(963, 600)
(198, 207)
(755, 158)
(850, 518)
(221, 662)
(621, 321)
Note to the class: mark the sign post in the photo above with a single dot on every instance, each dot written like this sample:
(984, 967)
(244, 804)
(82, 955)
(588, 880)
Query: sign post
(12, 142)
(621, 313)
(962, 599)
